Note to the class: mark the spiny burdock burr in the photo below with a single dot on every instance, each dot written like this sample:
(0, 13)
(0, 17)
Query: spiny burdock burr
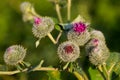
(68, 51)
(97, 34)
(42, 26)
(79, 34)
(28, 11)
(97, 51)
(14, 55)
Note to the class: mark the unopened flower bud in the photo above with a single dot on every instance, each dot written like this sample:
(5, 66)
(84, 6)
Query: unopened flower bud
(25, 7)
(28, 11)
(14, 55)
(42, 26)
(97, 51)
(97, 34)
(68, 51)
(79, 34)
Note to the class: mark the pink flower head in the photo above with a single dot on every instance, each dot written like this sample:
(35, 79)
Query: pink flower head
(79, 27)
(68, 49)
(96, 42)
(9, 49)
(37, 21)
(96, 49)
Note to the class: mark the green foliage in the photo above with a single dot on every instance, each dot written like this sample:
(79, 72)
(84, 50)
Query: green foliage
(53, 75)
(94, 74)
(103, 14)
(113, 59)
(57, 27)
(117, 67)
(113, 62)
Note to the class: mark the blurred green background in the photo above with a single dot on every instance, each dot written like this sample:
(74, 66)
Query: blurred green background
(104, 15)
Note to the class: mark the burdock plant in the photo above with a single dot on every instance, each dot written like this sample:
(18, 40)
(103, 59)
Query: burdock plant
(84, 48)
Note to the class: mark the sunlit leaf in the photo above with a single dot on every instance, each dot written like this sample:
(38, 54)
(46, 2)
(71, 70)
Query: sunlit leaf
(54, 75)
(94, 74)
(112, 60)
(117, 68)
(37, 43)
(58, 27)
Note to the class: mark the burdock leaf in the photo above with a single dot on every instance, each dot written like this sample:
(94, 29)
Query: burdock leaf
(79, 73)
(37, 43)
(19, 67)
(117, 67)
(58, 27)
(27, 64)
(112, 60)
(94, 74)
(53, 75)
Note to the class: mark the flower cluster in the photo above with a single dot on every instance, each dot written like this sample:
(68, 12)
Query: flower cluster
(93, 41)
(78, 34)
(96, 48)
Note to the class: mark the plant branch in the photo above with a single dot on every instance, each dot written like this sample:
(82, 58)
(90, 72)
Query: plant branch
(58, 37)
(106, 71)
(69, 10)
(99, 68)
(25, 70)
(51, 38)
(58, 12)
(79, 77)
(85, 76)
(111, 68)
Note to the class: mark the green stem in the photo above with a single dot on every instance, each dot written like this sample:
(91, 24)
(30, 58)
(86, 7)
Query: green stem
(25, 70)
(69, 10)
(99, 68)
(58, 37)
(85, 76)
(58, 12)
(66, 65)
(106, 72)
(78, 76)
(51, 38)
(111, 68)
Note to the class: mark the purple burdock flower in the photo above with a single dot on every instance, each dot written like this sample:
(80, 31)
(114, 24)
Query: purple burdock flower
(96, 42)
(37, 21)
(42, 26)
(68, 49)
(98, 35)
(79, 27)
(79, 34)
(97, 51)
(9, 49)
